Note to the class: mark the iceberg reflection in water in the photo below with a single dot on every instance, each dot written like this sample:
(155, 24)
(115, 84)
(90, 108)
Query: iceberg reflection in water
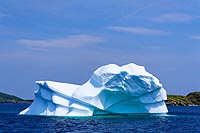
(112, 89)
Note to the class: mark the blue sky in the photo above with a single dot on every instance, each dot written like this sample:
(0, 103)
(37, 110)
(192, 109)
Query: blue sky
(66, 40)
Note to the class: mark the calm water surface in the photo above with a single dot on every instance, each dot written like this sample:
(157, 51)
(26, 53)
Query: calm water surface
(179, 119)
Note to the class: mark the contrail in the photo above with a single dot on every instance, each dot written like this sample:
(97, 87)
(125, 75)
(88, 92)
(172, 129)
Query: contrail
(127, 16)
(130, 14)
(124, 17)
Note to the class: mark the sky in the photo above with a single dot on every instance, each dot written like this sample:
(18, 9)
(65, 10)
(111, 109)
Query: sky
(67, 40)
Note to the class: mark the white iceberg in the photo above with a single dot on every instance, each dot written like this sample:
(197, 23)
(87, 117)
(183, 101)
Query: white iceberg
(112, 89)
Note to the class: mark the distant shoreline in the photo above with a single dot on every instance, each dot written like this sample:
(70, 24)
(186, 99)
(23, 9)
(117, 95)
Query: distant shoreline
(17, 102)
(7, 98)
(192, 99)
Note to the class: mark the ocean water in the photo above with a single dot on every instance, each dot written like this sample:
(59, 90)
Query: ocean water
(179, 119)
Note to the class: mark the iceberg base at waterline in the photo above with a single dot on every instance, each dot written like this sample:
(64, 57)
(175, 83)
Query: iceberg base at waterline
(112, 89)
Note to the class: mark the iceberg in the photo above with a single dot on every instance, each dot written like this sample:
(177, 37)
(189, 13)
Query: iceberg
(112, 89)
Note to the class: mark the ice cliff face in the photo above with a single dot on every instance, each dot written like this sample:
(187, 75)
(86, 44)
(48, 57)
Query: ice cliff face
(129, 89)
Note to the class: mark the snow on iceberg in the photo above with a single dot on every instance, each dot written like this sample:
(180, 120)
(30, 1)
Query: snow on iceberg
(112, 89)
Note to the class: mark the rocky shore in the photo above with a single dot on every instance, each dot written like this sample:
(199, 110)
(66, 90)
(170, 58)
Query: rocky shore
(192, 99)
(6, 98)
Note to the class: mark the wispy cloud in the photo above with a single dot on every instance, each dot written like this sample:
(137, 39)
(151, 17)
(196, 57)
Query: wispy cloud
(137, 30)
(72, 41)
(2, 14)
(194, 36)
(174, 17)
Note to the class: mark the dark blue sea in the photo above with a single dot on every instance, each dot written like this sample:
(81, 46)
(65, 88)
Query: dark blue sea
(179, 119)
